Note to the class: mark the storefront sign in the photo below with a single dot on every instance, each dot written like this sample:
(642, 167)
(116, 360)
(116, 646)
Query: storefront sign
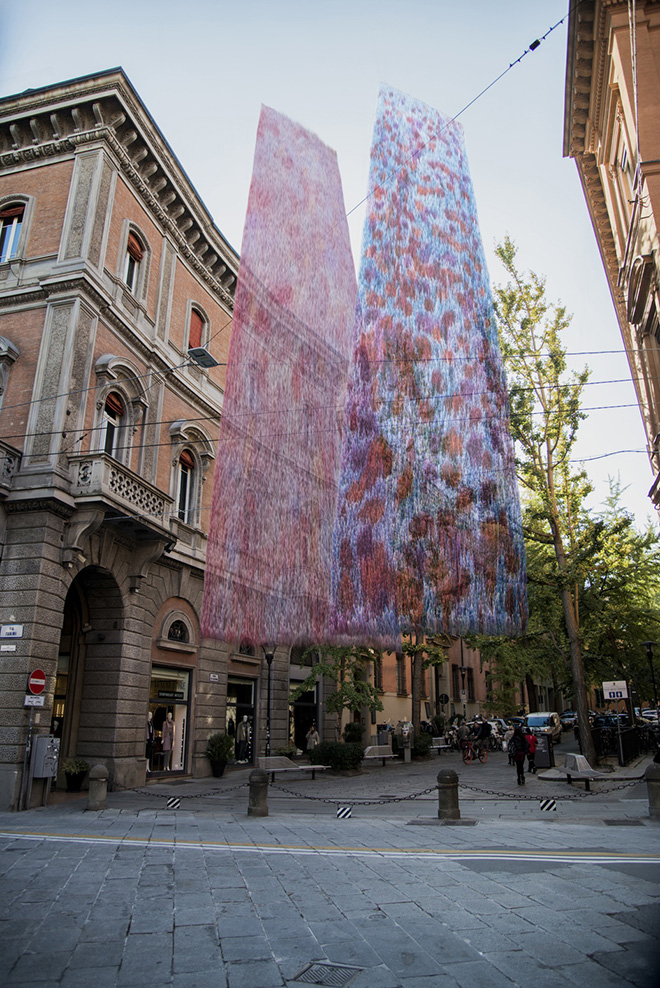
(170, 695)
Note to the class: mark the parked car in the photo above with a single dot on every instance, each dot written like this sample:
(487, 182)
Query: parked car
(545, 722)
(568, 719)
(515, 721)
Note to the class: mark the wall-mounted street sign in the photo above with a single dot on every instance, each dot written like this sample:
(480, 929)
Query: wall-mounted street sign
(37, 682)
(616, 690)
(11, 630)
(33, 701)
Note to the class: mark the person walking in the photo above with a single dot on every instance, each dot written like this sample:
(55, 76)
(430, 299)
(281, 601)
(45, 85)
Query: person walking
(518, 746)
(531, 751)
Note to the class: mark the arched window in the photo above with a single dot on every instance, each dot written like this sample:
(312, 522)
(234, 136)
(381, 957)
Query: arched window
(134, 255)
(11, 220)
(185, 500)
(196, 332)
(113, 415)
(177, 632)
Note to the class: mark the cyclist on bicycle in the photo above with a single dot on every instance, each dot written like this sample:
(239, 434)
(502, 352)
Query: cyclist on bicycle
(484, 732)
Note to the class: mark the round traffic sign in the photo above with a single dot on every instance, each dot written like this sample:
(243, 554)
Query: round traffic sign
(37, 681)
(443, 698)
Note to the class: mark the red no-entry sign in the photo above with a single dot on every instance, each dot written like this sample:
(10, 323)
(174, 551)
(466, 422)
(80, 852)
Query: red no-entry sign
(37, 681)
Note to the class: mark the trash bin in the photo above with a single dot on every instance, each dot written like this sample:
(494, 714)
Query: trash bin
(544, 754)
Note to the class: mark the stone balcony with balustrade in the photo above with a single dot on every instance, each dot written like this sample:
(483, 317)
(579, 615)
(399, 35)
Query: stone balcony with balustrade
(100, 478)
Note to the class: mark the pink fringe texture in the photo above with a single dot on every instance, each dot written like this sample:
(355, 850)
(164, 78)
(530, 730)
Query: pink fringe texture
(269, 555)
(420, 488)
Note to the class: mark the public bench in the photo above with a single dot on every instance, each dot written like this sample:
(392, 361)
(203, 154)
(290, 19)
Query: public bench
(577, 767)
(439, 744)
(378, 752)
(280, 764)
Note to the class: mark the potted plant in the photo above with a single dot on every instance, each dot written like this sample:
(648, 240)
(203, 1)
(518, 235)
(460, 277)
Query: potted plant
(75, 770)
(287, 750)
(219, 749)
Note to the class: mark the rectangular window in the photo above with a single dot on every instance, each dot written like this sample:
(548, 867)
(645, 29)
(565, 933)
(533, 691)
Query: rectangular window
(184, 490)
(455, 687)
(11, 220)
(196, 330)
(401, 675)
(470, 685)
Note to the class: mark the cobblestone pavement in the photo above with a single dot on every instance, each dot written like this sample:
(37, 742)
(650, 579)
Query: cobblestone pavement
(204, 895)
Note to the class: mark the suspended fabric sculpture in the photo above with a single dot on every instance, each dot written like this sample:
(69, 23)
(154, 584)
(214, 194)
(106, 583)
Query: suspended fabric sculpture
(269, 558)
(428, 531)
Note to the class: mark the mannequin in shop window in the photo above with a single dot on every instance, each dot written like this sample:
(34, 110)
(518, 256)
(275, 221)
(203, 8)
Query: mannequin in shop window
(168, 741)
(242, 739)
(149, 749)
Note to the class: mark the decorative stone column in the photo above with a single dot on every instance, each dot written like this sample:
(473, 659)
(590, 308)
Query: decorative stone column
(653, 787)
(98, 788)
(258, 799)
(448, 795)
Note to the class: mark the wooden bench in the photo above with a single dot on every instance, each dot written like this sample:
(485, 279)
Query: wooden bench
(439, 744)
(378, 752)
(577, 767)
(278, 764)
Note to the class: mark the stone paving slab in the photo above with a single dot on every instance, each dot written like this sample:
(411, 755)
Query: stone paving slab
(206, 896)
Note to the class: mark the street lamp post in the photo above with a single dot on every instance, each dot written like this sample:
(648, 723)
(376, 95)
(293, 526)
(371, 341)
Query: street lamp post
(649, 655)
(269, 651)
(463, 670)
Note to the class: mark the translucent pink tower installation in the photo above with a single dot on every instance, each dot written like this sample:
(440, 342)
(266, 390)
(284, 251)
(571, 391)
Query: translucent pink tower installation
(269, 552)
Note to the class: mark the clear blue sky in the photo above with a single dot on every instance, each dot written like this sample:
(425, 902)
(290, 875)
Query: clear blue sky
(203, 69)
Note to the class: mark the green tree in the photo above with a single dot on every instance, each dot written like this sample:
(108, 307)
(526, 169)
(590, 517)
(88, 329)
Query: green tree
(349, 671)
(545, 400)
(423, 652)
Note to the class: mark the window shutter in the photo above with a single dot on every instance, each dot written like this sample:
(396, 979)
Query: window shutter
(134, 247)
(196, 329)
(186, 460)
(114, 403)
(11, 211)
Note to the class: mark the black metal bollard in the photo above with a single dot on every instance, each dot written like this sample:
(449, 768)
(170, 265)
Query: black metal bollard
(98, 788)
(653, 787)
(448, 795)
(258, 799)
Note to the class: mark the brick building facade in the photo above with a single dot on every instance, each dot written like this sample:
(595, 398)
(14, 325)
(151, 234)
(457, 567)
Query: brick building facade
(111, 269)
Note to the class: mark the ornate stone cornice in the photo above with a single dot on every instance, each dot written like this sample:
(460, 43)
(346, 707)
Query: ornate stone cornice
(43, 124)
(52, 504)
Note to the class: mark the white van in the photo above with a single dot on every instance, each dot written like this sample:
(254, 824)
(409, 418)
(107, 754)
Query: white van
(545, 722)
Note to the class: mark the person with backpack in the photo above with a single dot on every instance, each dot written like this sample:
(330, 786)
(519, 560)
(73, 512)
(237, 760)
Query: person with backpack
(531, 752)
(519, 747)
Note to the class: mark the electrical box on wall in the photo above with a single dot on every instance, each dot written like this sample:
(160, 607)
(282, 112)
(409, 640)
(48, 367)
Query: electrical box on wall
(45, 755)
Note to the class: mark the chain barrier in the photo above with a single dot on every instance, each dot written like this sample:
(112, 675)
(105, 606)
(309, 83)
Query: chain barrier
(574, 795)
(168, 795)
(383, 800)
(369, 801)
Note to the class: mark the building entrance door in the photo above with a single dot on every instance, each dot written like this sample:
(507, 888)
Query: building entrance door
(240, 717)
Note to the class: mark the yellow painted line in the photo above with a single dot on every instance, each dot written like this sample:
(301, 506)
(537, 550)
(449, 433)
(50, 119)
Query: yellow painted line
(602, 857)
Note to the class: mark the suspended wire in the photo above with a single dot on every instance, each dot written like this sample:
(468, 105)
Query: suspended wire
(394, 172)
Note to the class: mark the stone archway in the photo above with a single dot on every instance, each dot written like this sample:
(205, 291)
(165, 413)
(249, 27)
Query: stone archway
(88, 684)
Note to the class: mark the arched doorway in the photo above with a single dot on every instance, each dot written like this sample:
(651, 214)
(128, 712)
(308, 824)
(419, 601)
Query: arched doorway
(87, 682)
